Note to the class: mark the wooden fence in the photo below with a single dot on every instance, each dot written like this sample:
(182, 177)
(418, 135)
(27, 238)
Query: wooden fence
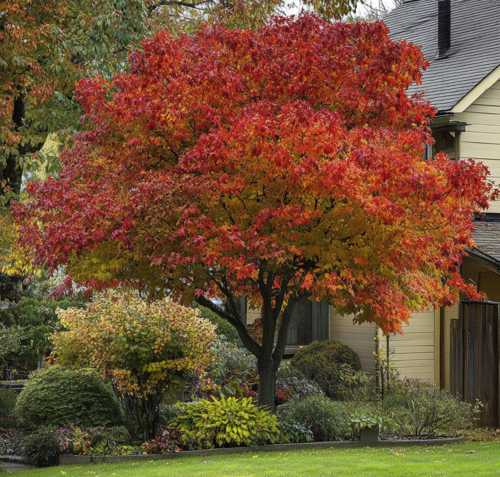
(474, 359)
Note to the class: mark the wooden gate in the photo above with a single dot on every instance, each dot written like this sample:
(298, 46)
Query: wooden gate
(474, 357)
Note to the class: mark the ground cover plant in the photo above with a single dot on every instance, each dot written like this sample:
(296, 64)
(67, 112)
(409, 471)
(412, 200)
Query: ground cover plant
(468, 460)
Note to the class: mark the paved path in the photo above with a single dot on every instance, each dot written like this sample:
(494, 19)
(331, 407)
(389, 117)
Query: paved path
(9, 466)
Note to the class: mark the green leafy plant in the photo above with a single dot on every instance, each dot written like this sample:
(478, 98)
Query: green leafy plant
(29, 321)
(41, 448)
(227, 422)
(233, 373)
(422, 409)
(223, 326)
(322, 361)
(328, 420)
(7, 403)
(291, 383)
(58, 396)
(294, 432)
(169, 413)
(360, 420)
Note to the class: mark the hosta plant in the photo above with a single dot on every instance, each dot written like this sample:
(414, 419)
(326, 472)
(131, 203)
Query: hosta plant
(226, 423)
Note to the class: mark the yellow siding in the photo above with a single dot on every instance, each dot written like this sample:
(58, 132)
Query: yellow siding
(481, 140)
(359, 337)
(252, 315)
(489, 283)
(413, 352)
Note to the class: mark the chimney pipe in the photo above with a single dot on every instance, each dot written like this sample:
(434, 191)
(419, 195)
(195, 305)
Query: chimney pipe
(444, 26)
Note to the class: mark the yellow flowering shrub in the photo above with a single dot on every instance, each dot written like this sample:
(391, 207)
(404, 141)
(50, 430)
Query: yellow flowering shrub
(144, 349)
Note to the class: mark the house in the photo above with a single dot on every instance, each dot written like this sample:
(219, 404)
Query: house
(461, 41)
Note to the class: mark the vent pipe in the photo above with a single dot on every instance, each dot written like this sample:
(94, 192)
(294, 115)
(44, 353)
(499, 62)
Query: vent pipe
(444, 26)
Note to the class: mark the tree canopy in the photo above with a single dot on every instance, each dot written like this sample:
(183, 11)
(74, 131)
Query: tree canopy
(277, 165)
(45, 46)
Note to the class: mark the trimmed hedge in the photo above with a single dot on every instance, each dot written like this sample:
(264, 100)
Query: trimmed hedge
(322, 361)
(57, 396)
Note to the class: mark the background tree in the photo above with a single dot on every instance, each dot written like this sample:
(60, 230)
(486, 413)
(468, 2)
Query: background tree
(274, 165)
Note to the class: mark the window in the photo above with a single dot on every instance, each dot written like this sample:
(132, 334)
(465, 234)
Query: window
(310, 322)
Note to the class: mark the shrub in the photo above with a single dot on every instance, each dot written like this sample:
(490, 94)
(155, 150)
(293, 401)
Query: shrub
(223, 327)
(165, 442)
(321, 361)
(169, 413)
(291, 383)
(7, 403)
(226, 423)
(94, 441)
(36, 318)
(327, 419)
(61, 397)
(233, 373)
(41, 448)
(144, 349)
(421, 408)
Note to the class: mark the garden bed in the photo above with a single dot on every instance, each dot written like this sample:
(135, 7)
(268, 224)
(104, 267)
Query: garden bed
(102, 459)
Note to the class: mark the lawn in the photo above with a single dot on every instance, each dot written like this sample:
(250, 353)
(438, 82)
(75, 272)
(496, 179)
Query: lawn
(450, 460)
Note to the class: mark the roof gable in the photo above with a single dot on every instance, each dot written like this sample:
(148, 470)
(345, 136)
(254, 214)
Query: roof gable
(475, 45)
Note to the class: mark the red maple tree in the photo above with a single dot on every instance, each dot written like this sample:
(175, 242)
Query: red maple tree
(274, 165)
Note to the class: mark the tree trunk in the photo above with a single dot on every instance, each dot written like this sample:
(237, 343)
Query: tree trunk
(267, 382)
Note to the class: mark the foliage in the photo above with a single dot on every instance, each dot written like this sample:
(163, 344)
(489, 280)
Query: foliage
(45, 46)
(294, 432)
(142, 348)
(274, 165)
(291, 383)
(223, 327)
(32, 319)
(361, 420)
(94, 441)
(234, 370)
(226, 422)
(169, 413)
(58, 396)
(41, 448)
(7, 403)
(164, 443)
(321, 361)
(421, 408)
(327, 419)
(355, 385)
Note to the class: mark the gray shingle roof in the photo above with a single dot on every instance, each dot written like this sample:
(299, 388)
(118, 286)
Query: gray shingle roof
(487, 238)
(475, 45)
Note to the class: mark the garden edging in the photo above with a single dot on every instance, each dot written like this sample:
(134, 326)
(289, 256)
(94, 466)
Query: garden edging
(112, 459)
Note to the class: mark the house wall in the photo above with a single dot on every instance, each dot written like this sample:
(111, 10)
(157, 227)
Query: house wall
(414, 352)
(359, 337)
(481, 140)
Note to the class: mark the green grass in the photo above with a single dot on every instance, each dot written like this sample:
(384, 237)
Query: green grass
(449, 460)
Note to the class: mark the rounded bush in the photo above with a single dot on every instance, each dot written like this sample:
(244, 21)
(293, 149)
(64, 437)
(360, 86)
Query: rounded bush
(57, 396)
(322, 361)
(327, 419)
(42, 447)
